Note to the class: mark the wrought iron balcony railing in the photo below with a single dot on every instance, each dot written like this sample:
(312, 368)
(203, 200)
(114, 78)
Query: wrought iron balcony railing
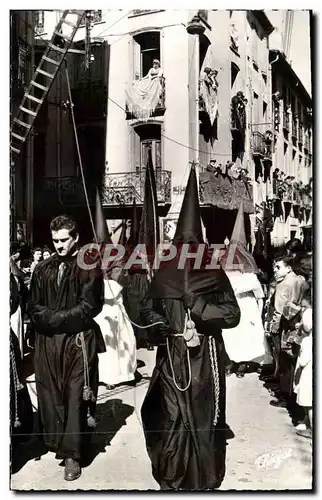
(307, 143)
(261, 145)
(121, 188)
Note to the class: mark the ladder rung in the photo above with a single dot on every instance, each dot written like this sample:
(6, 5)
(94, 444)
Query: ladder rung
(25, 110)
(15, 149)
(58, 49)
(28, 96)
(23, 124)
(16, 136)
(52, 61)
(42, 72)
(39, 86)
(61, 35)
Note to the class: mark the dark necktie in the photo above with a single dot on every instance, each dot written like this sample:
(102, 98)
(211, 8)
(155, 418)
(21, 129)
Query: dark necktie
(61, 270)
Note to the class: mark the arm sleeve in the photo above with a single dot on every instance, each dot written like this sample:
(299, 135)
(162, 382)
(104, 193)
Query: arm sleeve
(220, 307)
(76, 319)
(149, 316)
(306, 351)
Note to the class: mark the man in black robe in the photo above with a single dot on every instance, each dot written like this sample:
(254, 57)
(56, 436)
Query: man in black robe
(183, 413)
(65, 297)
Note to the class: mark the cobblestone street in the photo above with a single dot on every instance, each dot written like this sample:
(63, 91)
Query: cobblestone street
(265, 454)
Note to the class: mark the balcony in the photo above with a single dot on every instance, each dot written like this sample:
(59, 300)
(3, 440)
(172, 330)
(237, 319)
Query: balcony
(286, 121)
(121, 188)
(160, 107)
(224, 192)
(262, 145)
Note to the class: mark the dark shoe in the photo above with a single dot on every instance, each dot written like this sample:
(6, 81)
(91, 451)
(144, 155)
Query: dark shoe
(72, 470)
(150, 347)
(279, 404)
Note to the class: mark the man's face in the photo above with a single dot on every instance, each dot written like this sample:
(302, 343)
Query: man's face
(37, 256)
(281, 270)
(63, 241)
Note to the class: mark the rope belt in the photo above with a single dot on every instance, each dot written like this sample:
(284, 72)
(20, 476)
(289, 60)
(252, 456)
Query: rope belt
(88, 394)
(17, 385)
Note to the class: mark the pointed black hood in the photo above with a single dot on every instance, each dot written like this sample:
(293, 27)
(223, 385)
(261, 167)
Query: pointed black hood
(189, 228)
(149, 233)
(134, 233)
(101, 229)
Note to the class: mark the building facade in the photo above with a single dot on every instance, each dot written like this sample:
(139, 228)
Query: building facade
(21, 174)
(217, 107)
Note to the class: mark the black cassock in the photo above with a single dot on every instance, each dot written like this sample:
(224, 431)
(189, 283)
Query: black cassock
(186, 450)
(59, 313)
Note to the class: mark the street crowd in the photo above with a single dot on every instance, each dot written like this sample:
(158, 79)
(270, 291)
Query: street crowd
(83, 328)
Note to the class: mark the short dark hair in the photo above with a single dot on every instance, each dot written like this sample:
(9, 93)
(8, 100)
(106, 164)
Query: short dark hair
(64, 222)
(288, 261)
(15, 247)
(294, 246)
(46, 249)
(37, 249)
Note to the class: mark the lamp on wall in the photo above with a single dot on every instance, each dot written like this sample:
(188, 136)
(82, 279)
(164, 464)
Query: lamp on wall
(194, 27)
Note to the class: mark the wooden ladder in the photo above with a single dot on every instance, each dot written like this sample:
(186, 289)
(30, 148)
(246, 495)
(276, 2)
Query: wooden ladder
(42, 80)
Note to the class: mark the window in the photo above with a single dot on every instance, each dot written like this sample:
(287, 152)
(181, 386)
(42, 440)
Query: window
(39, 22)
(146, 47)
(146, 137)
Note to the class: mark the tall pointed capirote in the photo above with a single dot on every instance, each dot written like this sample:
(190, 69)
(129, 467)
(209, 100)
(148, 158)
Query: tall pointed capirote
(134, 233)
(189, 228)
(149, 233)
(122, 238)
(101, 229)
(239, 233)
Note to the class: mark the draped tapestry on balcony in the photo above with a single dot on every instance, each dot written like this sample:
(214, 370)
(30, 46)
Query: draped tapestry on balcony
(209, 93)
(144, 94)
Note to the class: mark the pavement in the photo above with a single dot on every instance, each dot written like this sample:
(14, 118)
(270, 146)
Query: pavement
(265, 454)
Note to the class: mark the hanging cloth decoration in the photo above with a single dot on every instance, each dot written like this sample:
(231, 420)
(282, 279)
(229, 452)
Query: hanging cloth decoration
(307, 214)
(144, 94)
(287, 209)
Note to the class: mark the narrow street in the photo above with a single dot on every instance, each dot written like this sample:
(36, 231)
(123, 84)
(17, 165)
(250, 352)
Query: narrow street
(265, 453)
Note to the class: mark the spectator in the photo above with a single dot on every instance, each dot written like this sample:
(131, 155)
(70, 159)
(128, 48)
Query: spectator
(37, 257)
(303, 375)
(46, 253)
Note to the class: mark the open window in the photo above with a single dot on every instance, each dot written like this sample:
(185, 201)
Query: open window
(146, 47)
(147, 137)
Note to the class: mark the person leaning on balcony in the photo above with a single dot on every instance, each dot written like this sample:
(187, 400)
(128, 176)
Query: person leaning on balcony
(155, 71)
